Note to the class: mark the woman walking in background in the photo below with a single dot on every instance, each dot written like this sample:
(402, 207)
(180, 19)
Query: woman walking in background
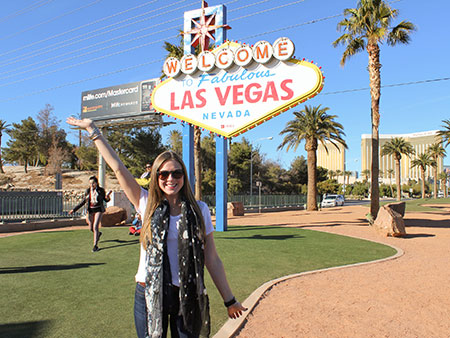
(176, 243)
(95, 198)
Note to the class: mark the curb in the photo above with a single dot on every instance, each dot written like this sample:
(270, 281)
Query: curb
(32, 225)
(233, 326)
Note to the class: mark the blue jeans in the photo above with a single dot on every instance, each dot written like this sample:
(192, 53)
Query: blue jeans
(140, 318)
(140, 311)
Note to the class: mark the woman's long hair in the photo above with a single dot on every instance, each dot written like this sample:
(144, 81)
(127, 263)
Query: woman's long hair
(156, 196)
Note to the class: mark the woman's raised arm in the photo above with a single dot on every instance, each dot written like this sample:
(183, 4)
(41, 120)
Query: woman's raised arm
(126, 180)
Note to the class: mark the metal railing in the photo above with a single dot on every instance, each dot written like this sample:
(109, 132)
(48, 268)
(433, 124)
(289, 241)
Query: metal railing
(266, 200)
(32, 205)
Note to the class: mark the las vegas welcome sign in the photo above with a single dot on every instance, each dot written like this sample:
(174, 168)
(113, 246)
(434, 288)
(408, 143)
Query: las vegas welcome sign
(236, 87)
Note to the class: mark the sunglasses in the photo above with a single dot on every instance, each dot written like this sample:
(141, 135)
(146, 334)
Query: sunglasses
(164, 175)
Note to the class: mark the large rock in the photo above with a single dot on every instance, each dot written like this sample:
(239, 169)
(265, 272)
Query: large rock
(389, 222)
(114, 216)
(235, 209)
(399, 207)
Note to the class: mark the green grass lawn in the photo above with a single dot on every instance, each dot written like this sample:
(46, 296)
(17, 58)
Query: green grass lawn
(52, 285)
(417, 204)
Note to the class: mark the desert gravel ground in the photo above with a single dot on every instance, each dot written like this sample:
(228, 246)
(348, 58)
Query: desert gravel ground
(405, 297)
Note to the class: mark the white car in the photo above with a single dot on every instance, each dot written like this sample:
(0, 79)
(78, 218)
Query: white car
(332, 201)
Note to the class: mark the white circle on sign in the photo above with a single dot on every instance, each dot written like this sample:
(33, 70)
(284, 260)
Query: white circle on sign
(188, 64)
(283, 49)
(262, 51)
(243, 56)
(206, 60)
(171, 67)
(224, 58)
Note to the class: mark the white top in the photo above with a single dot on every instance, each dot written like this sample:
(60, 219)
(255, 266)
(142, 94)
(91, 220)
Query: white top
(172, 239)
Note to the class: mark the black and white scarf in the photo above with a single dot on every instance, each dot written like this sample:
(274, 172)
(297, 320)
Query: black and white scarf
(194, 303)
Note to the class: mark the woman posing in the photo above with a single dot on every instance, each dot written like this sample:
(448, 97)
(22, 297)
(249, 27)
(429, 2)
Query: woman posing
(94, 197)
(176, 243)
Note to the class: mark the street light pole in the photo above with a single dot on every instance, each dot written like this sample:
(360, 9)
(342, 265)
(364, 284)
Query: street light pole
(251, 165)
(343, 189)
(259, 184)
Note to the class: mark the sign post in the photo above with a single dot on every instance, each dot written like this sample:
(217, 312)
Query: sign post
(216, 14)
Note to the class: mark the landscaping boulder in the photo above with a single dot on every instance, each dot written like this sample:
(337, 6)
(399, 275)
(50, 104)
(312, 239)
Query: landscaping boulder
(399, 207)
(114, 216)
(389, 222)
(235, 209)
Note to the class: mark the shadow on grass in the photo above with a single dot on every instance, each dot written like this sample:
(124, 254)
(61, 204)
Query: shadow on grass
(326, 223)
(119, 242)
(252, 227)
(23, 329)
(40, 268)
(269, 237)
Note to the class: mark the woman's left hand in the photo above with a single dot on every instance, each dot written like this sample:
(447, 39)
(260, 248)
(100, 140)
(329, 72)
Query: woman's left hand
(235, 310)
(83, 124)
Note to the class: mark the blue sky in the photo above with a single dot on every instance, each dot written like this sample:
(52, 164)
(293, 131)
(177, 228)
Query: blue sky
(52, 50)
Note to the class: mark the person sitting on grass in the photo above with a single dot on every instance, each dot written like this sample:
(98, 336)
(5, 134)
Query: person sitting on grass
(136, 225)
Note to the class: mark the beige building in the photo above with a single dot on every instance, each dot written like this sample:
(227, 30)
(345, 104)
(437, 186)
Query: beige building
(420, 142)
(334, 159)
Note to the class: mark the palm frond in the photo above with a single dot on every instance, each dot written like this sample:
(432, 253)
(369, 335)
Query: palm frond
(401, 33)
(445, 133)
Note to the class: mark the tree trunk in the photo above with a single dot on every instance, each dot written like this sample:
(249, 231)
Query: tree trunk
(1, 162)
(198, 163)
(423, 182)
(397, 180)
(375, 93)
(435, 174)
(311, 198)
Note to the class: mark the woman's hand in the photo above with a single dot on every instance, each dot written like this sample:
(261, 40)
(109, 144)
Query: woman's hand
(235, 310)
(70, 212)
(84, 123)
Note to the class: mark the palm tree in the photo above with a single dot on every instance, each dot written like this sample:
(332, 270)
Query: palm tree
(436, 151)
(366, 174)
(389, 173)
(338, 173)
(368, 26)
(176, 141)
(178, 52)
(396, 147)
(312, 125)
(445, 133)
(422, 161)
(443, 177)
(347, 173)
(331, 174)
(3, 128)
